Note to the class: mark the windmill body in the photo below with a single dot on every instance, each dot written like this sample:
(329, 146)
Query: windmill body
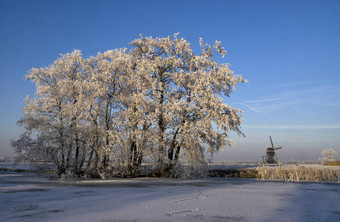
(270, 157)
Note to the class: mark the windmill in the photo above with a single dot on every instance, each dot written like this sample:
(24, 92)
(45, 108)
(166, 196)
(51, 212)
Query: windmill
(270, 156)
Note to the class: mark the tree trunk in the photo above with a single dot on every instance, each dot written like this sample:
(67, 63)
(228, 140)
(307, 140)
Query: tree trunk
(161, 122)
(90, 160)
(177, 153)
(76, 168)
(172, 146)
(107, 127)
(69, 152)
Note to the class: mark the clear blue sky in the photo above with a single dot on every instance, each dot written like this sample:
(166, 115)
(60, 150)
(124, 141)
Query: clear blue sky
(288, 50)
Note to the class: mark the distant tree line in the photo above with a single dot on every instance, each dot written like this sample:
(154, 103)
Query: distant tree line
(157, 103)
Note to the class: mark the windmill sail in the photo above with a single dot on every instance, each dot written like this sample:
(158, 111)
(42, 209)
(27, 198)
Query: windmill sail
(271, 141)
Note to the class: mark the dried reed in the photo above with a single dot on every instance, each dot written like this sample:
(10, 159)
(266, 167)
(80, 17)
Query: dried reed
(298, 173)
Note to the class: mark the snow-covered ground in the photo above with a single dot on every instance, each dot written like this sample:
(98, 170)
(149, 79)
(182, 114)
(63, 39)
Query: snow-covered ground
(28, 197)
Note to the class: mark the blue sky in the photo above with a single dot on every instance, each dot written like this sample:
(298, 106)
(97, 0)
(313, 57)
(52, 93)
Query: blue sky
(288, 50)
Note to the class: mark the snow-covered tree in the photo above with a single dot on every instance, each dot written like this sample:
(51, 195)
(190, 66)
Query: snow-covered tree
(55, 111)
(102, 88)
(117, 89)
(328, 155)
(135, 117)
(186, 89)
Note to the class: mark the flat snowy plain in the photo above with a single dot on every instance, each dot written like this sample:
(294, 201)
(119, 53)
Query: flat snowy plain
(30, 197)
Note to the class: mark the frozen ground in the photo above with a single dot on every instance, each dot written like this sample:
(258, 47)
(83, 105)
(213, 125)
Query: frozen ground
(28, 197)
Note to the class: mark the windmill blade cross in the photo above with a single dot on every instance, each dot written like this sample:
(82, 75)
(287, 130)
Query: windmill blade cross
(271, 141)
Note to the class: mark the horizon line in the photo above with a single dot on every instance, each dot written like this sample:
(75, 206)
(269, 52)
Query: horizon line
(335, 126)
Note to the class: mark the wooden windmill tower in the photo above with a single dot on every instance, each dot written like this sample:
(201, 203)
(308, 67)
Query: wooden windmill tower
(270, 156)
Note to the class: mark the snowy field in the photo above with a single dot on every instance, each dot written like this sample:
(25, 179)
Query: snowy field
(29, 197)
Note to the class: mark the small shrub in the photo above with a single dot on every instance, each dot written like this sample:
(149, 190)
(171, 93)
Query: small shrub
(67, 176)
(189, 171)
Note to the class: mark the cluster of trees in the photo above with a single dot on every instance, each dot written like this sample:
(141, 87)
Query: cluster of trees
(156, 103)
